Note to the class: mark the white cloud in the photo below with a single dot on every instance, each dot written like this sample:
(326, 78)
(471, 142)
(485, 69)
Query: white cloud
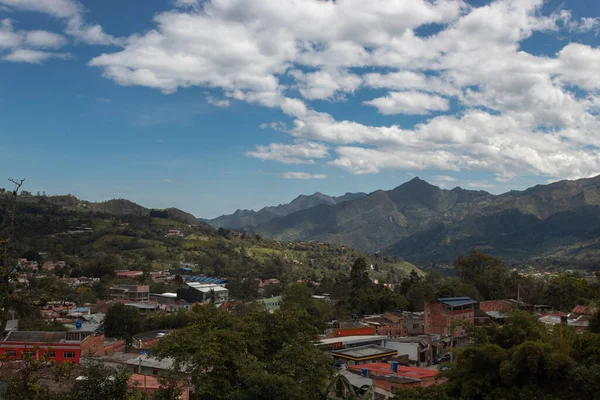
(275, 125)
(409, 103)
(24, 44)
(519, 113)
(72, 12)
(9, 38)
(444, 178)
(221, 103)
(302, 175)
(297, 153)
(44, 39)
(32, 56)
(481, 185)
(325, 84)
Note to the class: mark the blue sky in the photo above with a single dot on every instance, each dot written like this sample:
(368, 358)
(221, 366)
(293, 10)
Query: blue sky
(211, 106)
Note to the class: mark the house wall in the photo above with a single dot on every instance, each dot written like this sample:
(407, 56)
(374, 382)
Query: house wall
(436, 319)
(412, 349)
(391, 386)
(43, 350)
(439, 319)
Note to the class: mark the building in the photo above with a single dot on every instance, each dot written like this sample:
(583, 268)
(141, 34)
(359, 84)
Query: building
(422, 349)
(336, 343)
(129, 274)
(150, 384)
(386, 378)
(144, 308)
(446, 315)
(164, 298)
(130, 292)
(410, 323)
(11, 325)
(271, 304)
(364, 354)
(397, 323)
(195, 292)
(147, 365)
(504, 306)
(146, 340)
(54, 346)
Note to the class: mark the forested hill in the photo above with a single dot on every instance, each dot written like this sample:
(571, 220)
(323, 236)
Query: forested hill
(422, 222)
(249, 219)
(135, 237)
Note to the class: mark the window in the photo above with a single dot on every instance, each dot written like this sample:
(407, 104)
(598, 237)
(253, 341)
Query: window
(28, 353)
(10, 353)
(69, 354)
(49, 354)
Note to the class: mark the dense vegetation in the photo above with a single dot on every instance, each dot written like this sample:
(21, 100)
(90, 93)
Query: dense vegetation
(45, 230)
(520, 360)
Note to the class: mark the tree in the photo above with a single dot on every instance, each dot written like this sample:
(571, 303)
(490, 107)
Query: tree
(594, 322)
(487, 274)
(520, 361)
(122, 321)
(7, 249)
(359, 274)
(101, 383)
(230, 357)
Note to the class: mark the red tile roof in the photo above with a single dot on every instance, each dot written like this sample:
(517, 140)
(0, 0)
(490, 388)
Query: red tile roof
(578, 310)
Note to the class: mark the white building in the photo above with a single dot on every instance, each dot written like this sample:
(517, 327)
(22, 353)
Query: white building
(194, 292)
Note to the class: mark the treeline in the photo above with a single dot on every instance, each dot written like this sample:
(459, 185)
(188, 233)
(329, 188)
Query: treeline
(487, 278)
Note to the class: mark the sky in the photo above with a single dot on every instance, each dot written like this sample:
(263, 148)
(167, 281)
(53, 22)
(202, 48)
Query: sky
(215, 105)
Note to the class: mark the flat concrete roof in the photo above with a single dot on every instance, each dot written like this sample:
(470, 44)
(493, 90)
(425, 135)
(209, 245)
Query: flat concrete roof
(352, 339)
(364, 352)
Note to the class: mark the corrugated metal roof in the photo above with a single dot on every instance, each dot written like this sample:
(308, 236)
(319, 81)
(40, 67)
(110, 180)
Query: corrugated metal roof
(456, 301)
(205, 279)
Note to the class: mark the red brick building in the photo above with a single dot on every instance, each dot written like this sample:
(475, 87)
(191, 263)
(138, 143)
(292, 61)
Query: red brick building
(55, 346)
(444, 316)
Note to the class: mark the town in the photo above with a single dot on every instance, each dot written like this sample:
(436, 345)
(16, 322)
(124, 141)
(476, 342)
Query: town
(376, 355)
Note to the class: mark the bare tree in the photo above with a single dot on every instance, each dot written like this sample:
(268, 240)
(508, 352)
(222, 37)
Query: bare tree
(7, 234)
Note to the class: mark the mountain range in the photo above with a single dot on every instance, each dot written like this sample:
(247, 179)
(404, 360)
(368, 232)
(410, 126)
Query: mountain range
(249, 219)
(422, 222)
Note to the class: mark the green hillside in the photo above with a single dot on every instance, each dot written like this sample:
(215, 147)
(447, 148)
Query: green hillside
(60, 230)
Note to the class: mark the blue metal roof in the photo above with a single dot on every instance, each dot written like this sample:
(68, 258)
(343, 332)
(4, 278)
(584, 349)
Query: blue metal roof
(456, 301)
(205, 279)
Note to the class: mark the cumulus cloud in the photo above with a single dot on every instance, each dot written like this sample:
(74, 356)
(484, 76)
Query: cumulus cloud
(518, 113)
(444, 178)
(302, 175)
(297, 153)
(409, 103)
(69, 10)
(481, 185)
(221, 103)
(24, 46)
(32, 56)
(44, 39)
